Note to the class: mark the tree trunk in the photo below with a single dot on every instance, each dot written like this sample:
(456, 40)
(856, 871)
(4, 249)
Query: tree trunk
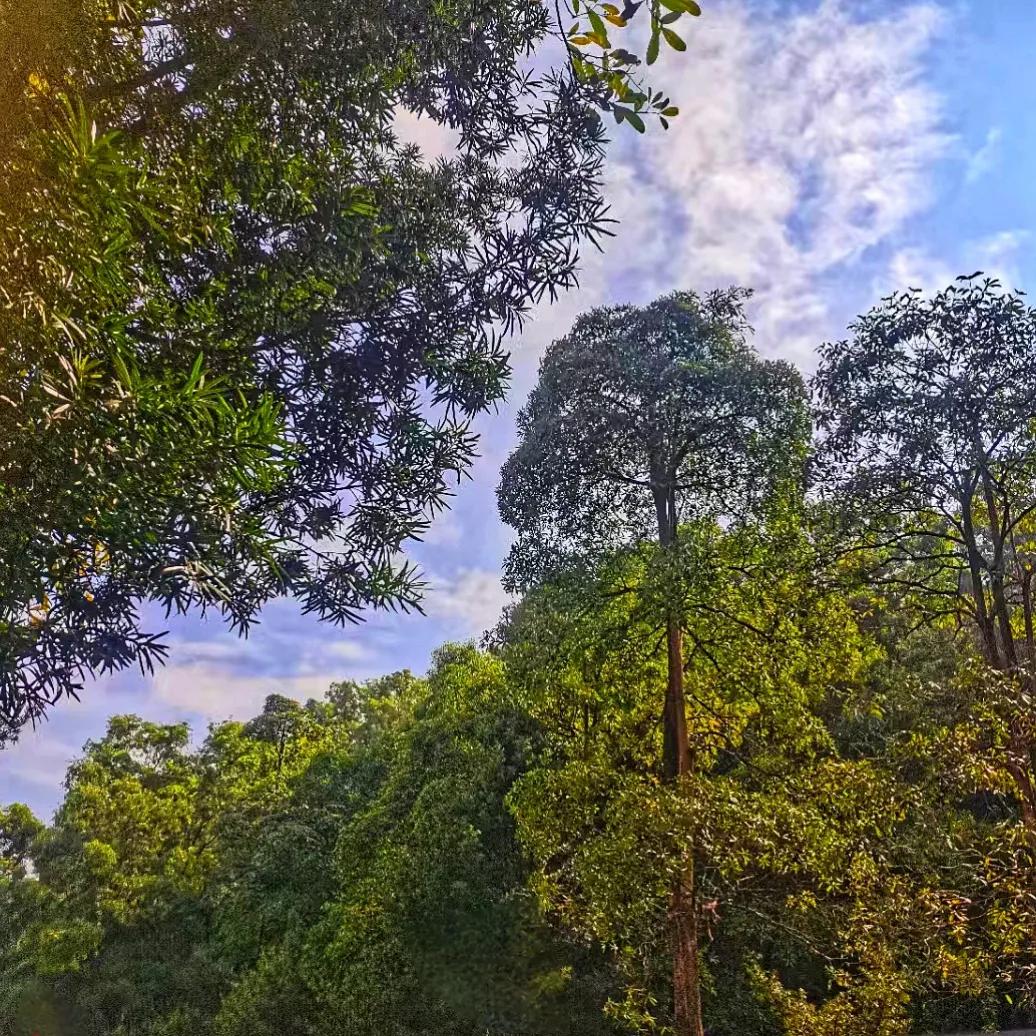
(995, 625)
(683, 931)
(676, 762)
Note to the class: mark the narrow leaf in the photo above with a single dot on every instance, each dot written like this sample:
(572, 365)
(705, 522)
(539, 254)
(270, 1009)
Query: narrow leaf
(673, 40)
(652, 49)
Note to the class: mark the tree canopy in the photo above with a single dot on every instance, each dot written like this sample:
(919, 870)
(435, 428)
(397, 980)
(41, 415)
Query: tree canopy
(247, 324)
(750, 755)
(641, 419)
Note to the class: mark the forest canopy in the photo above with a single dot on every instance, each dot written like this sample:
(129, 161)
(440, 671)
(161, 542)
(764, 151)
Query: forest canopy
(750, 752)
(752, 757)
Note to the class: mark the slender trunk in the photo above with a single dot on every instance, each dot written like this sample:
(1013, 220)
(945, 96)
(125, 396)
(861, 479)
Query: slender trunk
(676, 762)
(1030, 640)
(978, 590)
(996, 570)
(1017, 764)
(998, 636)
(683, 929)
(676, 755)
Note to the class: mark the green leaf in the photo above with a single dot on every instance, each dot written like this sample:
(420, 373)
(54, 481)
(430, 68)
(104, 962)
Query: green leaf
(652, 49)
(630, 116)
(599, 29)
(673, 40)
(671, 111)
(122, 372)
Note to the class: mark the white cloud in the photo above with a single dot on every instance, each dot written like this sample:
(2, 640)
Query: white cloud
(915, 267)
(986, 157)
(471, 601)
(230, 677)
(218, 693)
(446, 530)
(996, 255)
(347, 650)
(38, 758)
(803, 142)
(434, 139)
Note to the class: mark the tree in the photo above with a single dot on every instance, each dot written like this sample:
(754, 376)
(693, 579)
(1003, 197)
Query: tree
(246, 326)
(309, 872)
(927, 414)
(430, 928)
(643, 419)
(789, 836)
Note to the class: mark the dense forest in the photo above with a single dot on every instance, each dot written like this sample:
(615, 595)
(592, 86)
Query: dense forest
(752, 753)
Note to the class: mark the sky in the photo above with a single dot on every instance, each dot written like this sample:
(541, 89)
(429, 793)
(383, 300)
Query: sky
(827, 152)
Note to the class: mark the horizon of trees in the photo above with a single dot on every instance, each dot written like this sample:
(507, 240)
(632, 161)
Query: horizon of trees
(753, 754)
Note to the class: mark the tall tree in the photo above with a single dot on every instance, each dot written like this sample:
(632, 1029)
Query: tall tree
(246, 326)
(643, 419)
(789, 837)
(927, 414)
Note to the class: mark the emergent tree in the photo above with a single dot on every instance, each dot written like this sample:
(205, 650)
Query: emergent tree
(643, 419)
(927, 414)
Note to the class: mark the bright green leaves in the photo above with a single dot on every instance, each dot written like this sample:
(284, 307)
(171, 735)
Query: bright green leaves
(599, 34)
(769, 804)
(597, 61)
(652, 49)
(344, 866)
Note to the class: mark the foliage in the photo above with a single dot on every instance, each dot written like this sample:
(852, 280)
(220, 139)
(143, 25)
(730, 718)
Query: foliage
(613, 70)
(642, 419)
(641, 409)
(503, 848)
(781, 826)
(928, 413)
(311, 871)
(247, 326)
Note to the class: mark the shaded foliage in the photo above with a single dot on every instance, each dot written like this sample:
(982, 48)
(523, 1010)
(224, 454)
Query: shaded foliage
(247, 326)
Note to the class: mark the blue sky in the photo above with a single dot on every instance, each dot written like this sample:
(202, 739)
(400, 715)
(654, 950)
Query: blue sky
(827, 153)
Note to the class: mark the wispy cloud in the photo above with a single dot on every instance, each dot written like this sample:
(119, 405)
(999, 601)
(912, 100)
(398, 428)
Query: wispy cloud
(217, 693)
(468, 603)
(39, 759)
(803, 143)
(986, 157)
(217, 675)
